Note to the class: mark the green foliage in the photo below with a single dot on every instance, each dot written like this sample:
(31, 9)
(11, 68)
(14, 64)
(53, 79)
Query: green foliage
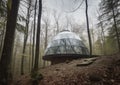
(111, 45)
(111, 41)
(110, 19)
(98, 45)
(36, 76)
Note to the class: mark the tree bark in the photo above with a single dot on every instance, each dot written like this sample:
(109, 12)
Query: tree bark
(46, 21)
(103, 39)
(5, 62)
(1, 43)
(37, 50)
(46, 36)
(23, 54)
(14, 57)
(25, 37)
(87, 20)
(33, 46)
(30, 50)
(102, 35)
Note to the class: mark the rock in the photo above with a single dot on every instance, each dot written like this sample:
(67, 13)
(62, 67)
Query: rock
(86, 62)
(112, 80)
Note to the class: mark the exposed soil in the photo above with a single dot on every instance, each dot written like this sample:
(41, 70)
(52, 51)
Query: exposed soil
(104, 70)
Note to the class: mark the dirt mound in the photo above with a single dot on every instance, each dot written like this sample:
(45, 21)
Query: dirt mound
(104, 70)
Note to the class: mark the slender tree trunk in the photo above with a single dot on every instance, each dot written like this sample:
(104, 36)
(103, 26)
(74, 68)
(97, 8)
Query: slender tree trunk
(116, 29)
(0, 2)
(57, 26)
(25, 37)
(1, 44)
(2, 38)
(93, 39)
(37, 50)
(102, 35)
(33, 46)
(87, 20)
(5, 62)
(30, 50)
(14, 58)
(103, 39)
(23, 55)
(46, 38)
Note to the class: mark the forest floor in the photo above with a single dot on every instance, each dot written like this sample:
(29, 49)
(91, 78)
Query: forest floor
(104, 70)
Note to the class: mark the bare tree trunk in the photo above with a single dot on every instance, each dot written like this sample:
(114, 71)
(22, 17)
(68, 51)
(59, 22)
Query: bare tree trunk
(14, 57)
(103, 39)
(25, 38)
(33, 46)
(5, 62)
(46, 36)
(116, 29)
(23, 55)
(93, 39)
(0, 2)
(87, 20)
(46, 21)
(2, 38)
(30, 50)
(37, 50)
(57, 27)
(1, 44)
(102, 35)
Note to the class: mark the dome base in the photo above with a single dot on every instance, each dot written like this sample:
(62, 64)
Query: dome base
(60, 58)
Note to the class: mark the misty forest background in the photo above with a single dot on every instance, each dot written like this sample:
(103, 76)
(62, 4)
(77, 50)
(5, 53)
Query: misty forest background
(27, 27)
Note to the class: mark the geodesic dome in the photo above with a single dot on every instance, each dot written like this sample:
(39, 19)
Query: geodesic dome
(66, 42)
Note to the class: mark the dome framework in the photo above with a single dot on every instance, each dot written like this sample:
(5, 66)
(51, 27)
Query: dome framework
(65, 45)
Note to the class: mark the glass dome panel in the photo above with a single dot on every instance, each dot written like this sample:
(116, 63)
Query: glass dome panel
(66, 43)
